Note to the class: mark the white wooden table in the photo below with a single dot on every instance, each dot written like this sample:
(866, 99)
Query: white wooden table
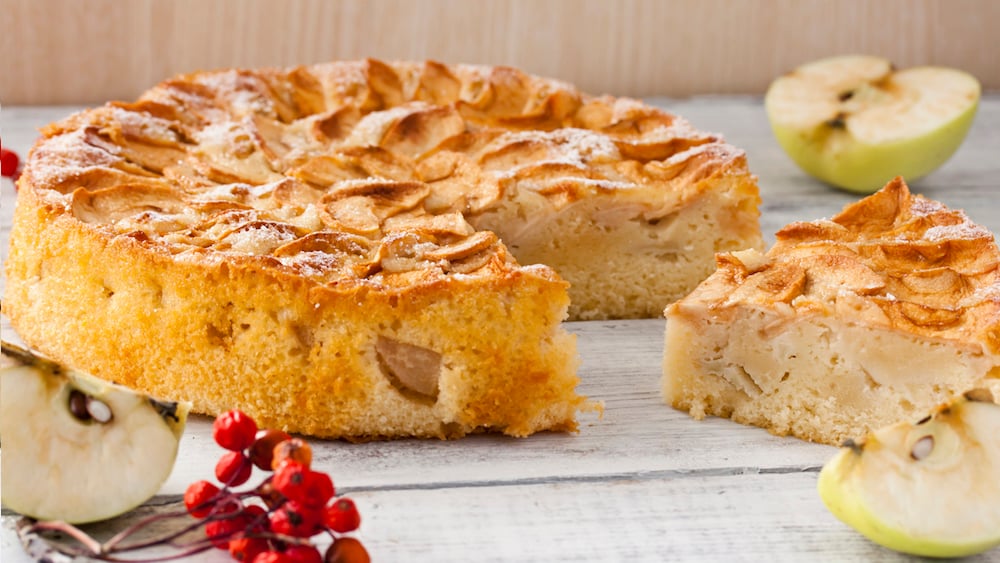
(645, 483)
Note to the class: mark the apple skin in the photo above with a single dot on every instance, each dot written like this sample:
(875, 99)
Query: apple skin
(863, 168)
(844, 501)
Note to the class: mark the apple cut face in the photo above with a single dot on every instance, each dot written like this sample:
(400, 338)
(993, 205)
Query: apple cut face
(856, 122)
(930, 488)
(76, 448)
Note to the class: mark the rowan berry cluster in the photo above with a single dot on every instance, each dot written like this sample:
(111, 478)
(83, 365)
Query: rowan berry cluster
(275, 521)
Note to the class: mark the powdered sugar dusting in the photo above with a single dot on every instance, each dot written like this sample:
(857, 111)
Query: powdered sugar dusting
(223, 192)
(312, 263)
(966, 231)
(708, 148)
(923, 206)
(985, 294)
(67, 156)
(573, 146)
(144, 126)
(239, 91)
(258, 239)
(222, 134)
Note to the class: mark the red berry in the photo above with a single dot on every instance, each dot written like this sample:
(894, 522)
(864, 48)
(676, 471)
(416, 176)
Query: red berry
(303, 554)
(342, 516)
(233, 469)
(234, 430)
(289, 480)
(271, 497)
(271, 557)
(347, 550)
(295, 520)
(221, 531)
(256, 518)
(8, 163)
(254, 510)
(294, 449)
(246, 549)
(200, 497)
(262, 450)
(318, 489)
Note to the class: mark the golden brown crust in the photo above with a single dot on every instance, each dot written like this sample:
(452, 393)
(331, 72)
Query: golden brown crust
(267, 163)
(868, 318)
(900, 261)
(267, 228)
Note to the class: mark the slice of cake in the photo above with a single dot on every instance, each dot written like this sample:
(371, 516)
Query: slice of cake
(845, 325)
(351, 249)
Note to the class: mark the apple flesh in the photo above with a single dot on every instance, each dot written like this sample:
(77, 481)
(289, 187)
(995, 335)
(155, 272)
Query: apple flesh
(76, 448)
(930, 488)
(855, 122)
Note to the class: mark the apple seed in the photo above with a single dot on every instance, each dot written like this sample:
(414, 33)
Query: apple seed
(85, 408)
(839, 121)
(99, 410)
(922, 448)
(78, 405)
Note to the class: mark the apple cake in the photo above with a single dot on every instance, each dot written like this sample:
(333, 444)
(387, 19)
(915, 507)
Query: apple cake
(364, 249)
(845, 325)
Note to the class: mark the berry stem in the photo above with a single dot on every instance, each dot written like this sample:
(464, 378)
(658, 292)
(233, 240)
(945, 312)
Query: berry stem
(105, 552)
(168, 538)
(112, 543)
(92, 546)
(193, 549)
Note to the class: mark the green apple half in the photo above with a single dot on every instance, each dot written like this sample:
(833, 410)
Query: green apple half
(930, 488)
(855, 122)
(76, 448)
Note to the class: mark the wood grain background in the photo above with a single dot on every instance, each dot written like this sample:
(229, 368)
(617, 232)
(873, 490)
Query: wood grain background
(87, 51)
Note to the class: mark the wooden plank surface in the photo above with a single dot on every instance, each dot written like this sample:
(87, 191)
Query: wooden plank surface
(67, 51)
(645, 482)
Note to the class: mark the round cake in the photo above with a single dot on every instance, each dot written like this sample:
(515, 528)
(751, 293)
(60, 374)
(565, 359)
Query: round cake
(356, 249)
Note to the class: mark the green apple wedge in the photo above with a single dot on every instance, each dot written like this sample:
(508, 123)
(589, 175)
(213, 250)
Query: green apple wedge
(856, 122)
(930, 488)
(77, 448)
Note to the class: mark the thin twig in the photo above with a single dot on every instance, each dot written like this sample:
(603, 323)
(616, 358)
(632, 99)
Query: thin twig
(93, 546)
(191, 550)
(169, 538)
(111, 544)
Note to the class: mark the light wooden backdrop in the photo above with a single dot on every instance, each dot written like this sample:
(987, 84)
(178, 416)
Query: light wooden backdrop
(86, 51)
